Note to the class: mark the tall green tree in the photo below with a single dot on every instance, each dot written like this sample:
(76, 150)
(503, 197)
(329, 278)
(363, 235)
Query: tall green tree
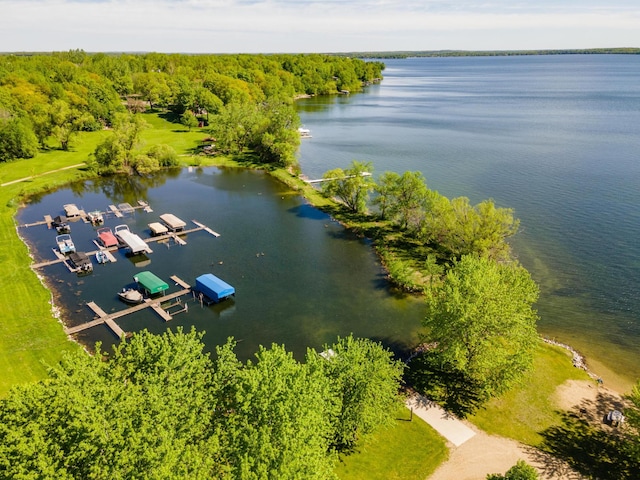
(350, 186)
(272, 416)
(118, 151)
(17, 139)
(365, 380)
(481, 321)
(462, 228)
(144, 413)
(403, 198)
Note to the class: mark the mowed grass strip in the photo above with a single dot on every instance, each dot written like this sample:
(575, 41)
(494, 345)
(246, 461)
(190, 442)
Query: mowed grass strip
(409, 450)
(528, 409)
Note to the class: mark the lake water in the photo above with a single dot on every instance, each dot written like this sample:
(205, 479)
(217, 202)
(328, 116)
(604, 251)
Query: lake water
(557, 138)
(300, 279)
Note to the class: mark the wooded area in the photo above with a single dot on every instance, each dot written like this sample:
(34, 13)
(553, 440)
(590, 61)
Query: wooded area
(246, 100)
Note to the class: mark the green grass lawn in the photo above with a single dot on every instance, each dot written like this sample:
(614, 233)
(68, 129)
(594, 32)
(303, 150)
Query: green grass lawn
(525, 411)
(409, 450)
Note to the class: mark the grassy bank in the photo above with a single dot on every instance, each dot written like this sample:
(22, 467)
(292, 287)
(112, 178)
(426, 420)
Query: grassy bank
(409, 450)
(529, 409)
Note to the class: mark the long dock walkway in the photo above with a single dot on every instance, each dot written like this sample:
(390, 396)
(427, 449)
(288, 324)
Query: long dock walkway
(109, 318)
(62, 259)
(175, 236)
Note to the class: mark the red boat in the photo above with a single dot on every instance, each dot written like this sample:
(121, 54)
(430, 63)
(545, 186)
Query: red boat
(107, 238)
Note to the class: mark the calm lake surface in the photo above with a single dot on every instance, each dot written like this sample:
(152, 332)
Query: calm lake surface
(300, 279)
(557, 138)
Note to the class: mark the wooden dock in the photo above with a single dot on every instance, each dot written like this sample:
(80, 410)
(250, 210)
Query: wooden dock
(109, 318)
(62, 259)
(113, 209)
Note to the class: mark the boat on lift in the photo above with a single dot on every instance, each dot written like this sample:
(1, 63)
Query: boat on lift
(65, 244)
(95, 217)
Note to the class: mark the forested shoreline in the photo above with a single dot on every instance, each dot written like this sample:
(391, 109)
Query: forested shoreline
(47, 100)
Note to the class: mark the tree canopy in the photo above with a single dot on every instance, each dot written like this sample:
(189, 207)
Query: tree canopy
(481, 322)
(159, 407)
(350, 186)
(55, 96)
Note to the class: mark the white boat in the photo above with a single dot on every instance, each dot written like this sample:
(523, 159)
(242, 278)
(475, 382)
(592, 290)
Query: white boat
(131, 240)
(65, 244)
(102, 257)
(95, 217)
(131, 295)
(304, 132)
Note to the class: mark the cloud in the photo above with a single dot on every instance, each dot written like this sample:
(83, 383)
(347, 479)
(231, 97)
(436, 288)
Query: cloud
(313, 25)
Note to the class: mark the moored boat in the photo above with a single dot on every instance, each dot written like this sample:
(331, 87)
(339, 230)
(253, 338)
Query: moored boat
(61, 225)
(102, 257)
(81, 262)
(131, 295)
(304, 132)
(107, 238)
(65, 244)
(95, 217)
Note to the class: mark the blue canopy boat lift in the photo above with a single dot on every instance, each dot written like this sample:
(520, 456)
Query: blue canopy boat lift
(211, 289)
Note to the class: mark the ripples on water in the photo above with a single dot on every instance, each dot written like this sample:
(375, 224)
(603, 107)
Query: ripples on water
(557, 138)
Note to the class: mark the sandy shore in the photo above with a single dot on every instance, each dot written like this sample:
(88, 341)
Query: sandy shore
(484, 454)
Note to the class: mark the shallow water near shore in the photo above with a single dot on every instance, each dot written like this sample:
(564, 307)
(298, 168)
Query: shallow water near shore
(554, 137)
(301, 279)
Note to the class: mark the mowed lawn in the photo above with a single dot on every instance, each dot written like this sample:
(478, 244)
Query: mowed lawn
(528, 409)
(409, 450)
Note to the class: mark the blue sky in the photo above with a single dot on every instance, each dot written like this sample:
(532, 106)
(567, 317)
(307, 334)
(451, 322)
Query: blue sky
(254, 26)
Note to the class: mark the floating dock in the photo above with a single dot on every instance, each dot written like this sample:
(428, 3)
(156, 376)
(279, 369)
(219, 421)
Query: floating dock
(109, 318)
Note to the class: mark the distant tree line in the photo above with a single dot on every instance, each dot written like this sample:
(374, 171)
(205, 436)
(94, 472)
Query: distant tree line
(159, 407)
(492, 53)
(46, 100)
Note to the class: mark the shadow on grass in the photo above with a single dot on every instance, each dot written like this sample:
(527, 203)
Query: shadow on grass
(451, 389)
(591, 446)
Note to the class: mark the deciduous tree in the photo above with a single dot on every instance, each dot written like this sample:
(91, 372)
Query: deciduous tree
(364, 381)
(350, 186)
(482, 323)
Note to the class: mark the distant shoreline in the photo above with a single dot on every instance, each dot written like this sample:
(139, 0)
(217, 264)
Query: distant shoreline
(491, 53)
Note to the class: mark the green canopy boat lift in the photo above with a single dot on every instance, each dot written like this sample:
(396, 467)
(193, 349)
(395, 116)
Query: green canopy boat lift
(150, 283)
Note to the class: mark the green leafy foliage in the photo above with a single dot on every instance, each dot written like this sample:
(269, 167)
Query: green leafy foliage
(118, 151)
(481, 322)
(350, 186)
(64, 93)
(158, 407)
(364, 381)
(143, 414)
(520, 471)
(17, 140)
